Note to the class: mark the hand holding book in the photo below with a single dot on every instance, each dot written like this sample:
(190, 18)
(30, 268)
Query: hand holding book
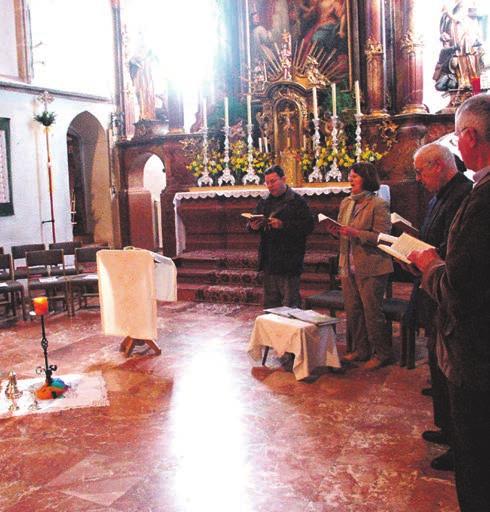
(332, 226)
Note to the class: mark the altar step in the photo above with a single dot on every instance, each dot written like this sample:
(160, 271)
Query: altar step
(229, 276)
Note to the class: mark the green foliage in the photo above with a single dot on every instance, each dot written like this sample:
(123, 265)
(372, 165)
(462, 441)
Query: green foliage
(46, 118)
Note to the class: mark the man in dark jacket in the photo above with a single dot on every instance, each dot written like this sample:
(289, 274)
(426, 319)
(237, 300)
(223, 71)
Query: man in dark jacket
(460, 285)
(286, 223)
(435, 168)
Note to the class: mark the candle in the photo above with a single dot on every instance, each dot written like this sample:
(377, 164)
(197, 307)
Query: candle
(266, 145)
(358, 97)
(227, 121)
(40, 305)
(260, 144)
(304, 141)
(249, 108)
(334, 99)
(204, 114)
(315, 104)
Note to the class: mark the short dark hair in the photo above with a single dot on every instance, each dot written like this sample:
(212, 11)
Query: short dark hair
(369, 174)
(277, 169)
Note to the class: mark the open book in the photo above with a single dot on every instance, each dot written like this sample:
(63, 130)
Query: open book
(306, 315)
(403, 224)
(403, 246)
(251, 216)
(332, 225)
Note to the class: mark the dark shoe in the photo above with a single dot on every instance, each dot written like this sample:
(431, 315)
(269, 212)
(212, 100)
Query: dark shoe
(435, 436)
(354, 356)
(427, 391)
(444, 462)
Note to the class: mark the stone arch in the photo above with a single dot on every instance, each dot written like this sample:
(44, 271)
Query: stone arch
(89, 176)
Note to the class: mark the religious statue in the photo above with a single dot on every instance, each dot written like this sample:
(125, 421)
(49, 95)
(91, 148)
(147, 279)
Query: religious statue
(141, 75)
(285, 56)
(313, 74)
(259, 76)
(460, 59)
(286, 118)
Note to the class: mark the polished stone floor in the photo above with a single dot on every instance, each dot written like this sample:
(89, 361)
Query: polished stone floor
(200, 429)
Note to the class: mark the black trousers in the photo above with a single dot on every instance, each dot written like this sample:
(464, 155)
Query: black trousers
(440, 393)
(470, 412)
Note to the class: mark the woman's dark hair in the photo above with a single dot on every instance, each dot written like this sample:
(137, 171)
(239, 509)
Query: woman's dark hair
(367, 171)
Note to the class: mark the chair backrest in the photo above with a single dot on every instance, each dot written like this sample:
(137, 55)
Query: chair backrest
(6, 268)
(1, 250)
(19, 251)
(68, 247)
(87, 257)
(46, 258)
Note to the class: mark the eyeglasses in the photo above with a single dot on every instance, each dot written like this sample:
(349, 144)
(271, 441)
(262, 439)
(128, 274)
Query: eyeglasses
(419, 172)
(458, 134)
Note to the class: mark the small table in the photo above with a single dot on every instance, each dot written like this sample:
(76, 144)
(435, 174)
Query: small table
(312, 345)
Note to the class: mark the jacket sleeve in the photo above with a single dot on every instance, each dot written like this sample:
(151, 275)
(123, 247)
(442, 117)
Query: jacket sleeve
(381, 224)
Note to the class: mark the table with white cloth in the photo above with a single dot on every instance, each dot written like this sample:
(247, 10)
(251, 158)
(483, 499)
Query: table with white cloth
(312, 345)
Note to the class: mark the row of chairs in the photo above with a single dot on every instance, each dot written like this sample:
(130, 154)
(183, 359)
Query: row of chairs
(47, 274)
(395, 309)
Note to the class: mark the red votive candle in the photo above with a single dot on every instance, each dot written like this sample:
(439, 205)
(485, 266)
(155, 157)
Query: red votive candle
(475, 84)
(40, 305)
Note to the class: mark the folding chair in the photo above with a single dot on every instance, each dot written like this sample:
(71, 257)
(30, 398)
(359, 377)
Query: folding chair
(11, 291)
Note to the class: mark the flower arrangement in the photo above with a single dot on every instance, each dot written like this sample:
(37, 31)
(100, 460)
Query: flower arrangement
(46, 118)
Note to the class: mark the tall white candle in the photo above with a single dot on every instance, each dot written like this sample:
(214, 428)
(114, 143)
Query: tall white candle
(358, 96)
(260, 144)
(204, 114)
(266, 145)
(249, 108)
(315, 104)
(247, 44)
(334, 99)
(227, 121)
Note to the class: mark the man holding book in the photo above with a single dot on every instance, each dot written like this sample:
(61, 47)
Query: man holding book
(285, 223)
(460, 285)
(435, 168)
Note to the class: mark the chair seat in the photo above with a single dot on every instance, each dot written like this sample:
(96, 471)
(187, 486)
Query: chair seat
(394, 308)
(331, 299)
(46, 283)
(21, 272)
(11, 286)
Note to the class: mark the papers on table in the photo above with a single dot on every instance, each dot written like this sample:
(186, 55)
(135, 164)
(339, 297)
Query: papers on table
(403, 246)
(3, 284)
(305, 315)
(51, 279)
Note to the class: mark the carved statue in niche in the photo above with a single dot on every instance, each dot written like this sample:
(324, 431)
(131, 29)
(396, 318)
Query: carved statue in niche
(288, 139)
(461, 56)
(141, 74)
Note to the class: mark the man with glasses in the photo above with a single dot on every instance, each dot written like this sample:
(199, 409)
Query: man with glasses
(460, 285)
(435, 168)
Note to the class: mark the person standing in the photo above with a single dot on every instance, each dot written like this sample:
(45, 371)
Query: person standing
(435, 168)
(286, 222)
(364, 269)
(460, 285)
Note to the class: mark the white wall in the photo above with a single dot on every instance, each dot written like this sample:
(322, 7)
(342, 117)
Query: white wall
(29, 166)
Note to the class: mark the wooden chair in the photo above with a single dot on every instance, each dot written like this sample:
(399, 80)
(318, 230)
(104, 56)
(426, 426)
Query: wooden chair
(19, 253)
(68, 250)
(11, 291)
(85, 284)
(55, 287)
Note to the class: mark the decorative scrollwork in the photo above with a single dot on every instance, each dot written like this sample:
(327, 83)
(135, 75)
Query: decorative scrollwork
(388, 132)
(373, 49)
(411, 42)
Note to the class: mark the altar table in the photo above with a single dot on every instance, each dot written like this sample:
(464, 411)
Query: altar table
(312, 345)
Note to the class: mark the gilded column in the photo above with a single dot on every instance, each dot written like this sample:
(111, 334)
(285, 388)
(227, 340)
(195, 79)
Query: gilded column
(411, 68)
(375, 57)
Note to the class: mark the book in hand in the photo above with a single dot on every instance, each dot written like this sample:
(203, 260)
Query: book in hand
(306, 315)
(332, 225)
(404, 225)
(403, 246)
(252, 216)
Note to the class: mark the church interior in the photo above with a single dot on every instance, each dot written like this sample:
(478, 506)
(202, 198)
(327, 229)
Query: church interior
(152, 130)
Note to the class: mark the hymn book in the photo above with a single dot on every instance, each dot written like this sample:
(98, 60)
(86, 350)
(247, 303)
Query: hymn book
(306, 315)
(403, 224)
(403, 246)
(332, 225)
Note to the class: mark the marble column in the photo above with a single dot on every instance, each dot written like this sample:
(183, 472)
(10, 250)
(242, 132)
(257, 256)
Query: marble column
(376, 61)
(410, 72)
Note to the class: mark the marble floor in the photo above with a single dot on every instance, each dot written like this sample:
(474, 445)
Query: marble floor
(200, 429)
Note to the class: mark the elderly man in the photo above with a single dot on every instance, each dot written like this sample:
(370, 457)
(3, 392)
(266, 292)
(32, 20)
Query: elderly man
(435, 168)
(461, 287)
(286, 223)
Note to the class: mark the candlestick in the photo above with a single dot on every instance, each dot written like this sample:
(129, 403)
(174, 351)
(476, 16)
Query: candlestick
(205, 178)
(358, 137)
(316, 174)
(204, 114)
(40, 305)
(334, 173)
(226, 177)
(358, 97)
(315, 104)
(250, 175)
(334, 100)
(249, 109)
(227, 121)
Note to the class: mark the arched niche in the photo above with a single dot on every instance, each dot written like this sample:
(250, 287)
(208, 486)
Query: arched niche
(89, 178)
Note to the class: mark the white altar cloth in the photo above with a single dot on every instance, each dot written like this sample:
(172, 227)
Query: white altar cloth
(312, 345)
